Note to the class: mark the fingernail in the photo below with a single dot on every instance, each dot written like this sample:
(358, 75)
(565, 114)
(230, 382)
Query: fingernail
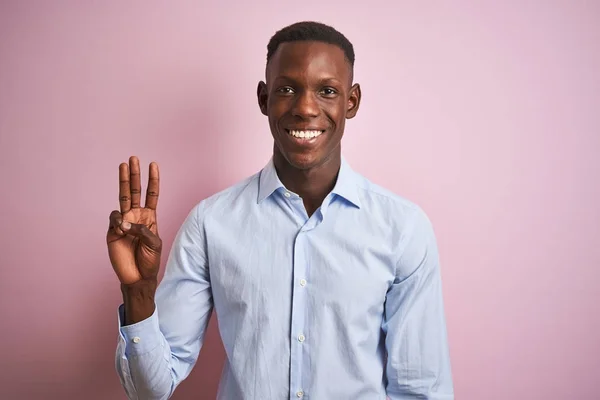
(125, 226)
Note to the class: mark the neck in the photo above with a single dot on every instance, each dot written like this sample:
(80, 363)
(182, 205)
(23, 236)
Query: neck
(312, 184)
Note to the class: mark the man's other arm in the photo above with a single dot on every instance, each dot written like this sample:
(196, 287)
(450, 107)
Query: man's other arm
(418, 363)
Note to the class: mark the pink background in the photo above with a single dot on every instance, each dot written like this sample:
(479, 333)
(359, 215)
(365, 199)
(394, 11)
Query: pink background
(485, 113)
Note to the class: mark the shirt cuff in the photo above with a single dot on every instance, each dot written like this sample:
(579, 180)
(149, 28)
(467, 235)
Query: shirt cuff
(142, 337)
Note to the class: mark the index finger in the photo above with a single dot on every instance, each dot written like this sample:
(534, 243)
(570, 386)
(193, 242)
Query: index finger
(124, 189)
(153, 187)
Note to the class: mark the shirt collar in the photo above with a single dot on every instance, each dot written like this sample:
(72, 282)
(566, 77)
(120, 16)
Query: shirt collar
(345, 186)
(268, 181)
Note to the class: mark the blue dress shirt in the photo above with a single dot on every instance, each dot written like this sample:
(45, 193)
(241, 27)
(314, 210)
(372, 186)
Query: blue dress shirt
(344, 305)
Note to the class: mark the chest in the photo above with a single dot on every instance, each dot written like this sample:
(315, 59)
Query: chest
(259, 265)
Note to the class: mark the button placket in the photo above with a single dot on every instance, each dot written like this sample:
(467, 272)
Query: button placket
(299, 303)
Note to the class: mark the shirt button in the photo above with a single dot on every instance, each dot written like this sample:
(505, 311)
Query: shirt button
(301, 338)
(287, 194)
(302, 282)
(136, 340)
(300, 394)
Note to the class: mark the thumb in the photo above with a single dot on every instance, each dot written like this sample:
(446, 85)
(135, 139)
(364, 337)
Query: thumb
(146, 236)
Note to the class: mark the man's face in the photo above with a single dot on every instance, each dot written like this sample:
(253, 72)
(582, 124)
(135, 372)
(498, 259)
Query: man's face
(307, 97)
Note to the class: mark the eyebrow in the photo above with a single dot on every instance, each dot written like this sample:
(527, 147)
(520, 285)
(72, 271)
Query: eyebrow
(325, 79)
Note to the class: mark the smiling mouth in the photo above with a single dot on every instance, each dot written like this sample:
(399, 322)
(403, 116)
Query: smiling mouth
(304, 134)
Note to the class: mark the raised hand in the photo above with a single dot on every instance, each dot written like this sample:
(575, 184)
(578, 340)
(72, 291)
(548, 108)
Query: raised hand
(134, 246)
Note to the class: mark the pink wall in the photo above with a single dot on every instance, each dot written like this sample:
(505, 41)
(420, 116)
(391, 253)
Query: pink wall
(486, 114)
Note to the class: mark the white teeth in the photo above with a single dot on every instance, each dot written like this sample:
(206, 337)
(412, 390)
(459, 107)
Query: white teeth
(305, 134)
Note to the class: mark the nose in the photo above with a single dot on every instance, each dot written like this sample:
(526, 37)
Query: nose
(305, 105)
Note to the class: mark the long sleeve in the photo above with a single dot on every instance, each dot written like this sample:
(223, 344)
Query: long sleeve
(418, 359)
(155, 355)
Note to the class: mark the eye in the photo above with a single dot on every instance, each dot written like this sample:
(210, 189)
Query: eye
(285, 90)
(328, 92)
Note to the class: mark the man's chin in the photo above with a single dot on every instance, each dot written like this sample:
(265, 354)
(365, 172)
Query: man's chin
(302, 160)
(310, 160)
(302, 163)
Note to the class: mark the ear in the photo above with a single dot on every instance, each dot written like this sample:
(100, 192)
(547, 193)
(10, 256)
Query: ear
(353, 101)
(262, 95)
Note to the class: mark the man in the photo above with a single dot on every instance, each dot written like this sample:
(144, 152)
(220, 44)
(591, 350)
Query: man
(326, 286)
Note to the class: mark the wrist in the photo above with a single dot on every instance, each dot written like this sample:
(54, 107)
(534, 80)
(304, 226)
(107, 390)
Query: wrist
(138, 300)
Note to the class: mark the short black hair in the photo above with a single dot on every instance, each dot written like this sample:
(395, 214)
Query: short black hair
(311, 31)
